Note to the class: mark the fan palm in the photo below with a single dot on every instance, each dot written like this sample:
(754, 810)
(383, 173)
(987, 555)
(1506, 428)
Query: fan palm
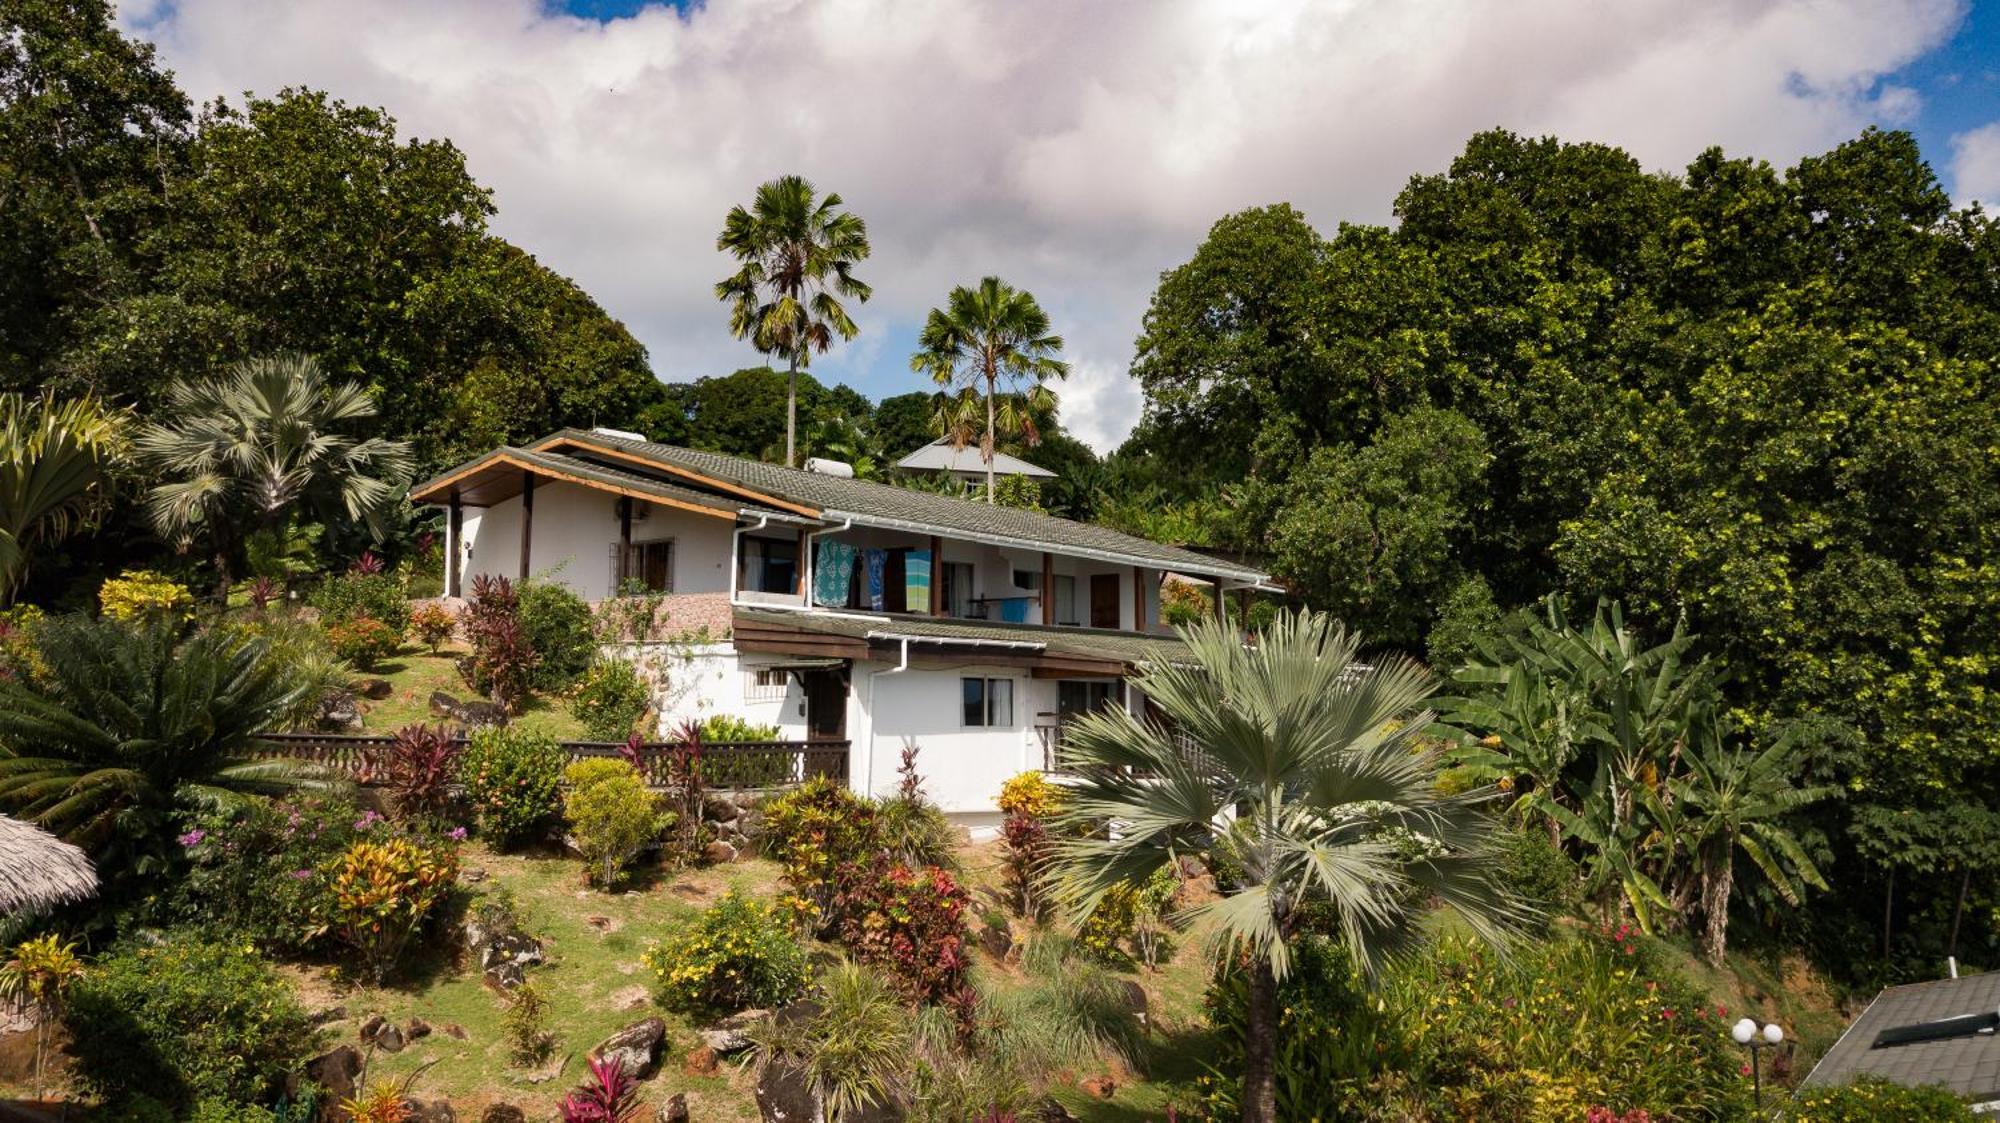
(1731, 799)
(134, 723)
(797, 253)
(53, 460)
(1304, 774)
(983, 336)
(274, 433)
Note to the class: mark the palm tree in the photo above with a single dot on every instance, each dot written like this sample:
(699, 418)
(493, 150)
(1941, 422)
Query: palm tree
(242, 452)
(1305, 775)
(798, 253)
(982, 336)
(1731, 799)
(54, 457)
(134, 723)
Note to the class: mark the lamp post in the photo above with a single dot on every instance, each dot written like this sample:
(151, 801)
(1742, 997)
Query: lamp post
(1748, 1035)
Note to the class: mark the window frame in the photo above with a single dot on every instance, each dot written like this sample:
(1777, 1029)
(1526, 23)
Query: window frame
(985, 703)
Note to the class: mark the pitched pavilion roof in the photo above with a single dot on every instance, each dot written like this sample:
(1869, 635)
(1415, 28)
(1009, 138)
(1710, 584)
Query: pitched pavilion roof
(864, 502)
(39, 870)
(943, 455)
(1967, 1063)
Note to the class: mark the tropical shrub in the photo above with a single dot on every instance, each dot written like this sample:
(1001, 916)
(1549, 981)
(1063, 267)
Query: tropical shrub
(911, 924)
(39, 978)
(610, 699)
(513, 780)
(608, 1095)
(525, 1025)
(813, 831)
(20, 652)
(362, 640)
(300, 646)
(1874, 1100)
(261, 872)
(557, 626)
(729, 727)
(1115, 920)
(134, 723)
(1027, 800)
(1152, 920)
(612, 815)
(854, 1051)
(502, 662)
(348, 595)
(432, 624)
(184, 1019)
(419, 768)
(382, 892)
(141, 594)
(736, 954)
(911, 828)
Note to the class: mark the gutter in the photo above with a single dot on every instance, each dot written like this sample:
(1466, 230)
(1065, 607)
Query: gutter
(906, 639)
(807, 549)
(868, 761)
(1202, 566)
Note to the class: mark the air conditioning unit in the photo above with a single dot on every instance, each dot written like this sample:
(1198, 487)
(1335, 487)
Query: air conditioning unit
(827, 467)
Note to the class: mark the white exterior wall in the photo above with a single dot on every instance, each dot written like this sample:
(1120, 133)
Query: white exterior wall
(962, 768)
(696, 682)
(574, 532)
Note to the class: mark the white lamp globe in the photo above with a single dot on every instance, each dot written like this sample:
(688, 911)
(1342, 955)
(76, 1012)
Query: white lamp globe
(1773, 1034)
(1743, 1031)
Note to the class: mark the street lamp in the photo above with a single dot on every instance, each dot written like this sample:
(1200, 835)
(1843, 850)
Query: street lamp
(1750, 1037)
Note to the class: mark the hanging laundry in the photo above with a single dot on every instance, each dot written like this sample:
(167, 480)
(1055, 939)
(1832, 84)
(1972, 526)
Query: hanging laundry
(917, 581)
(833, 574)
(875, 560)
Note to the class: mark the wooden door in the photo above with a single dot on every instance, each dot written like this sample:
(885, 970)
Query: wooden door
(826, 705)
(1104, 600)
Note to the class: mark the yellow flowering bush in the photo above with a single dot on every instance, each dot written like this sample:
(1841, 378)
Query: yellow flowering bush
(382, 892)
(736, 954)
(1030, 794)
(1871, 1100)
(141, 594)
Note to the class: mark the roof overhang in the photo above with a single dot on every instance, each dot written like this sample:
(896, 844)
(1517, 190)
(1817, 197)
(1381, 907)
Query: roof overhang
(1247, 577)
(598, 448)
(795, 635)
(502, 474)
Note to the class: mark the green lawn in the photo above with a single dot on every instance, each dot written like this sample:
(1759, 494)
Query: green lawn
(414, 673)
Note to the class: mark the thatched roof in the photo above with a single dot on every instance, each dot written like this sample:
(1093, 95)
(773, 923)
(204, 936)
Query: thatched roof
(39, 870)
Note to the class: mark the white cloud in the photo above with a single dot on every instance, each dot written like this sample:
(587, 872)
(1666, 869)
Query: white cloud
(1075, 149)
(1975, 166)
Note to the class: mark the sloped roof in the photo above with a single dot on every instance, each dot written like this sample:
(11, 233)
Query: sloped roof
(868, 503)
(1129, 648)
(497, 476)
(942, 455)
(1968, 1065)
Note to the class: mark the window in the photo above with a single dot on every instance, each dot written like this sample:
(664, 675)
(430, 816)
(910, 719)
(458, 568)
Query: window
(957, 594)
(1083, 696)
(770, 565)
(648, 568)
(1066, 600)
(766, 684)
(989, 702)
(1028, 580)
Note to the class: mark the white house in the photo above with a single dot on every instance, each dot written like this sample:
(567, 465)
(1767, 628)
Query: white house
(840, 610)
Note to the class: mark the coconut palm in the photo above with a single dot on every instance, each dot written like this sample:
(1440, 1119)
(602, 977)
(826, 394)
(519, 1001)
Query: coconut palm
(243, 452)
(1732, 798)
(797, 253)
(54, 457)
(1303, 778)
(133, 724)
(986, 335)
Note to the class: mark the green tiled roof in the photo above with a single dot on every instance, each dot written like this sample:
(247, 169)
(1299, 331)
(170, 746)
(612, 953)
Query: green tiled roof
(878, 504)
(1086, 643)
(600, 473)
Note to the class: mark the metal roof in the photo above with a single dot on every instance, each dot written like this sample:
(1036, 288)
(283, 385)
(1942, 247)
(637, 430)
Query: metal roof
(497, 476)
(1968, 1065)
(867, 503)
(1082, 643)
(942, 455)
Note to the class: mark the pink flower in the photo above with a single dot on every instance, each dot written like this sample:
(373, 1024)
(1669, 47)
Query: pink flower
(193, 838)
(301, 875)
(456, 834)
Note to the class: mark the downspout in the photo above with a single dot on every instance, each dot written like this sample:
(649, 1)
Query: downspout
(868, 762)
(736, 557)
(845, 526)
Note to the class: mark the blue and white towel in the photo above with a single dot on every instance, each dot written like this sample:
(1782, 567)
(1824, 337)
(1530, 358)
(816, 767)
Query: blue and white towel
(875, 560)
(833, 574)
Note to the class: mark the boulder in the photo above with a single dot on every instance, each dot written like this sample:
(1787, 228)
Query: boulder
(785, 1092)
(701, 1061)
(389, 1039)
(718, 852)
(335, 1071)
(339, 710)
(374, 688)
(718, 807)
(437, 1111)
(997, 941)
(674, 1110)
(502, 978)
(1102, 1087)
(489, 947)
(480, 715)
(727, 1036)
(330, 1014)
(1133, 997)
(443, 705)
(636, 1048)
(415, 1028)
(503, 1113)
(371, 1026)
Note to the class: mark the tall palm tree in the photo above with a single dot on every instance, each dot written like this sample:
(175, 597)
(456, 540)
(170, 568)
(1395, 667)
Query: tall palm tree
(133, 723)
(54, 457)
(983, 336)
(798, 253)
(1305, 775)
(274, 433)
(1733, 798)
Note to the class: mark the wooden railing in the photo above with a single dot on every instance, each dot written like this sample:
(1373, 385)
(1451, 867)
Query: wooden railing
(731, 765)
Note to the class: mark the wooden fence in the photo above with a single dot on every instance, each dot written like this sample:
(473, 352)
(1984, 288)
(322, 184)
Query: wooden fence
(729, 765)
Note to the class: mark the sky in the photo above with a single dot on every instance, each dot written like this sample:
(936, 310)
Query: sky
(1075, 149)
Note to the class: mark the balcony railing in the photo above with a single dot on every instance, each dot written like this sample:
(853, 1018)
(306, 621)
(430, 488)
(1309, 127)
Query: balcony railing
(730, 765)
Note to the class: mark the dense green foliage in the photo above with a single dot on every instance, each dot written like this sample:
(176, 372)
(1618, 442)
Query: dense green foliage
(612, 815)
(259, 872)
(513, 782)
(735, 954)
(185, 1019)
(55, 464)
(985, 337)
(610, 699)
(1870, 1100)
(557, 625)
(1765, 399)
